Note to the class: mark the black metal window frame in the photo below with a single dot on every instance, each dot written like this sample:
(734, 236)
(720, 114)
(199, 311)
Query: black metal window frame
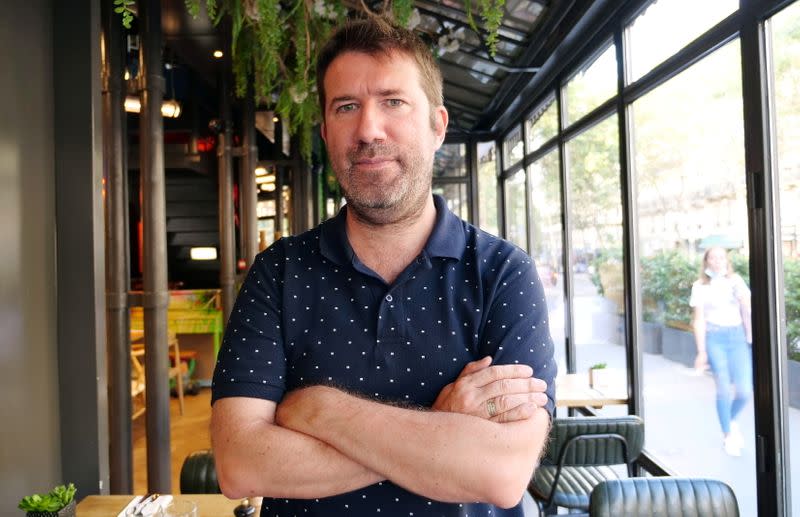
(749, 25)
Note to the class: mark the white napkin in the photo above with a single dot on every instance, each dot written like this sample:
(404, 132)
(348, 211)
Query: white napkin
(150, 508)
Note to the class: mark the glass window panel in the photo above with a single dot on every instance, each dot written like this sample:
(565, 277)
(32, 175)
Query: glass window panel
(785, 29)
(513, 148)
(456, 196)
(690, 176)
(546, 244)
(542, 125)
(450, 161)
(516, 219)
(594, 84)
(664, 28)
(487, 187)
(596, 232)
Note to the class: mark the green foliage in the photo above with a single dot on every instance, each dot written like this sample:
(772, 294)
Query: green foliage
(491, 12)
(401, 10)
(601, 257)
(124, 8)
(791, 288)
(598, 366)
(57, 499)
(666, 279)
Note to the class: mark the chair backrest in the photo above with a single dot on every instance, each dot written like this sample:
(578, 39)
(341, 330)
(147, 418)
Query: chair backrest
(595, 440)
(663, 497)
(198, 474)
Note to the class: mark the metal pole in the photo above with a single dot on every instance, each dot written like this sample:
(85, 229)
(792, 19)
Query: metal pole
(117, 274)
(247, 177)
(227, 273)
(154, 273)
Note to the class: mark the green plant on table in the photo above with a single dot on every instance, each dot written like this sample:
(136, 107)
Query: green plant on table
(57, 499)
(598, 366)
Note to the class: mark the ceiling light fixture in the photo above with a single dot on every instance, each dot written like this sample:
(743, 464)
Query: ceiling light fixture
(261, 171)
(265, 179)
(203, 253)
(169, 108)
(218, 54)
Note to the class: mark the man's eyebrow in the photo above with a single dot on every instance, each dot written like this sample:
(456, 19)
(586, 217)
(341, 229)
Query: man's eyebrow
(388, 92)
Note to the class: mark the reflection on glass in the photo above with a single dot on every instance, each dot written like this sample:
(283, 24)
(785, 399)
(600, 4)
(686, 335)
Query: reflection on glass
(516, 222)
(664, 28)
(513, 147)
(785, 28)
(592, 85)
(690, 176)
(456, 196)
(546, 244)
(596, 231)
(450, 161)
(542, 125)
(487, 187)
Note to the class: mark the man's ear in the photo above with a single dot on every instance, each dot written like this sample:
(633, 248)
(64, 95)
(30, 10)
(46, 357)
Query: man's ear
(440, 120)
(323, 132)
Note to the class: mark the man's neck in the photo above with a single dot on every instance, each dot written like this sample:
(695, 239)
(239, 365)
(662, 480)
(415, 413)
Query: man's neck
(389, 248)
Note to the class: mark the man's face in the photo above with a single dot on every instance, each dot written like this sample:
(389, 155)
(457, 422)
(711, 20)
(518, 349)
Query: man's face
(381, 133)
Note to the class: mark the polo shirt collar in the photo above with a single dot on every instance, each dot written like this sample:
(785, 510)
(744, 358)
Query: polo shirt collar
(446, 240)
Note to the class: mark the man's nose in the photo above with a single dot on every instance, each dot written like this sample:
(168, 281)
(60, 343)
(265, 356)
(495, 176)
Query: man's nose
(371, 126)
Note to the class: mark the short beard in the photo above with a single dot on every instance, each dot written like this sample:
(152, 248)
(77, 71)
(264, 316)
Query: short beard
(394, 205)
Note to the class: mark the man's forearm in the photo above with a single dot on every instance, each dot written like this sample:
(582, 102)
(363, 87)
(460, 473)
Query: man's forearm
(258, 458)
(441, 455)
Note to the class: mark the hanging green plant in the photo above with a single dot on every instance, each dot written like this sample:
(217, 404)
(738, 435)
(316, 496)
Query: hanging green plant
(274, 43)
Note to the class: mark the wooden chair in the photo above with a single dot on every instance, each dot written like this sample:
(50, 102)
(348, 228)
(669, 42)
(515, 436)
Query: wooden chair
(137, 371)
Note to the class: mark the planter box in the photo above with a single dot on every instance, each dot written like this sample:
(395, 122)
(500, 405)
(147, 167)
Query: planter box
(678, 345)
(67, 511)
(651, 337)
(794, 383)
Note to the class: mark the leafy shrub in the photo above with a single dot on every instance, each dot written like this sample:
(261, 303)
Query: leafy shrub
(666, 278)
(791, 283)
(601, 257)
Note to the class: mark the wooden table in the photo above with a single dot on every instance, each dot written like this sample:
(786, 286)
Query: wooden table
(573, 390)
(110, 505)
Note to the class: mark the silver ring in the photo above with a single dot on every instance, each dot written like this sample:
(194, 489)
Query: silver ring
(491, 408)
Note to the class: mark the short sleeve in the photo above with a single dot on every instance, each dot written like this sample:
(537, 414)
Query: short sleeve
(740, 289)
(252, 361)
(517, 329)
(695, 300)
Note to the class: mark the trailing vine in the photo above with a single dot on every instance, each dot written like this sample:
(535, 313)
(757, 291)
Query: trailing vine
(274, 44)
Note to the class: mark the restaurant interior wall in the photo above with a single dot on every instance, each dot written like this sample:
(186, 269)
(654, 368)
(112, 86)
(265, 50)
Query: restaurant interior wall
(30, 458)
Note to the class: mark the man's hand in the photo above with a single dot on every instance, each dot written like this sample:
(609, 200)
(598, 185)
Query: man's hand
(503, 393)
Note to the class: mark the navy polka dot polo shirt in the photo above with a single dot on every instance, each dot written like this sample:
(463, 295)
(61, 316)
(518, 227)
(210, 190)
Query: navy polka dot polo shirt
(310, 312)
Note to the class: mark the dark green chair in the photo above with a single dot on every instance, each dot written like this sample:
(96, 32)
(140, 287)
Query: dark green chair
(198, 475)
(580, 455)
(663, 497)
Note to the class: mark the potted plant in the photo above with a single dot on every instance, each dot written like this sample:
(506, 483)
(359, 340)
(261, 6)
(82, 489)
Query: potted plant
(596, 375)
(60, 502)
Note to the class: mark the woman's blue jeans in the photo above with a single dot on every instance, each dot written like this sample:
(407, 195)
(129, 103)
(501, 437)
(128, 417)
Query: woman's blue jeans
(730, 360)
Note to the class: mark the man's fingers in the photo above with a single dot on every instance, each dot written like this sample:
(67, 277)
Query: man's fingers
(502, 371)
(513, 386)
(476, 366)
(505, 403)
(521, 412)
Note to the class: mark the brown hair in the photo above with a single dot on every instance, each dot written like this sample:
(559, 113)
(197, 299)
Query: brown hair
(376, 35)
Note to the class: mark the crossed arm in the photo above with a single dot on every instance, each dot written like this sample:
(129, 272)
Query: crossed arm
(321, 441)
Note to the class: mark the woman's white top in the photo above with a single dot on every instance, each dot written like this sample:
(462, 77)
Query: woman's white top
(720, 299)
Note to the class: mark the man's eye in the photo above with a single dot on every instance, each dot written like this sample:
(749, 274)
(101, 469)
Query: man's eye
(345, 108)
(394, 103)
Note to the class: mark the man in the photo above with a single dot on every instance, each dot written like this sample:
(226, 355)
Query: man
(382, 362)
